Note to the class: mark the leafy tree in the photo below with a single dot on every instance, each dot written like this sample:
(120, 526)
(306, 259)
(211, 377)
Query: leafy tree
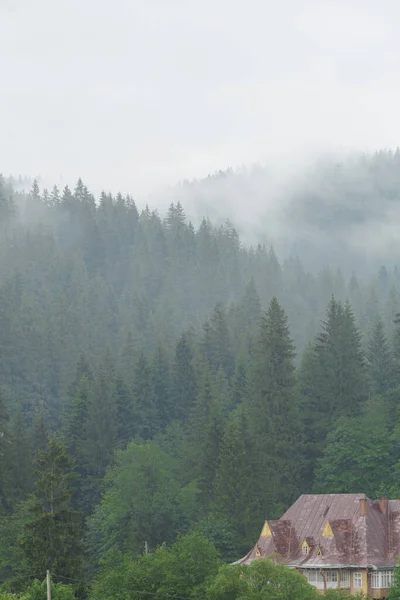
(143, 502)
(260, 579)
(181, 570)
(38, 591)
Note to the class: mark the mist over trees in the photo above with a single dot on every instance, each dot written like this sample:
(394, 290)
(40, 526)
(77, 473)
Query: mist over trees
(166, 386)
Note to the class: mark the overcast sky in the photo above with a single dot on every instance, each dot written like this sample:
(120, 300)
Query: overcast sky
(133, 94)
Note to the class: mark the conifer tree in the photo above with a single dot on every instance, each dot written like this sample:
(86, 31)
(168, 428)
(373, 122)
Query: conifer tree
(146, 415)
(100, 438)
(20, 459)
(125, 412)
(235, 497)
(5, 451)
(333, 380)
(40, 433)
(274, 415)
(210, 451)
(380, 368)
(161, 383)
(184, 384)
(52, 537)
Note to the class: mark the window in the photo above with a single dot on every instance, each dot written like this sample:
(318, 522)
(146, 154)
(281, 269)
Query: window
(304, 549)
(315, 578)
(344, 579)
(331, 579)
(381, 579)
(375, 580)
(386, 578)
(357, 581)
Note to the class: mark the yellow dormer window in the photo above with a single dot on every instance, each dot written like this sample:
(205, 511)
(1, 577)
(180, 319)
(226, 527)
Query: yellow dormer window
(327, 530)
(266, 531)
(258, 553)
(305, 548)
(319, 552)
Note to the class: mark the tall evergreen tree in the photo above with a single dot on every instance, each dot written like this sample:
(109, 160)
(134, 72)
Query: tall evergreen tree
(235, 496)
(20, 459)
(380, 368)
(184, 384)
(146, 414)
(53, 536)
(5, 451)
(161, 383)
(333, 379)
(100, 439)
(274, 418)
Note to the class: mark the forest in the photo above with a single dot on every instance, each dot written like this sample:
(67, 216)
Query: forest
(166, 386)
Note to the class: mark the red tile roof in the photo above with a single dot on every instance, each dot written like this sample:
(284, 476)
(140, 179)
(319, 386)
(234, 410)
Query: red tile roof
(357, 540)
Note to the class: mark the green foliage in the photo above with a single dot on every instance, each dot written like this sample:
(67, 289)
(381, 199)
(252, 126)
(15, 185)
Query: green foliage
(274, 416)
(38, 591)
(144, 502)
(360, 454)
(217, 421)
(262, 579)
(333, 380)
(181, 570)
(52, 536)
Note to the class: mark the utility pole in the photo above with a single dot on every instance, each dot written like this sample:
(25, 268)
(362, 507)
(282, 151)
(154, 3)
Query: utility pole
(146, 548)
(48, 585)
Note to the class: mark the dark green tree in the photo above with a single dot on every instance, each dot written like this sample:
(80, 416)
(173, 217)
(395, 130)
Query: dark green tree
(380, 368)
(52, 538)
(184, 384)
(274, 415)
(145, 409)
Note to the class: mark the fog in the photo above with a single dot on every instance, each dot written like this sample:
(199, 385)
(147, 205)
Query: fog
(138, 94)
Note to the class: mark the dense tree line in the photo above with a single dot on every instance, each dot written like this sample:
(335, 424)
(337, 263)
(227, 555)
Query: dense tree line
(165, 385)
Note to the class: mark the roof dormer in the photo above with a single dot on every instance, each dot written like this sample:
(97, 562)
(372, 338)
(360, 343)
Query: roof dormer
(305, 547)
(266, 531)
(327, 530)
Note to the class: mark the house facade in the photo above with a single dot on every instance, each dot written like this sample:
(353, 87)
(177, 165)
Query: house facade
(337, 541)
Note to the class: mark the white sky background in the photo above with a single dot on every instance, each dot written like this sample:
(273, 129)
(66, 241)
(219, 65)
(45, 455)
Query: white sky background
(135, 94)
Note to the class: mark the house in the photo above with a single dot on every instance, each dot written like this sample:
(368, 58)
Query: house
(345, 541)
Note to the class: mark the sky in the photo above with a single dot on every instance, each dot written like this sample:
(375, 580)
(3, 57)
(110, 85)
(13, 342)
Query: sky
(132, 95)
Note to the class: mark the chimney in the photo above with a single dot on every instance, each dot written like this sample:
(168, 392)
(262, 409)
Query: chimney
(363, 507)
(383, 505)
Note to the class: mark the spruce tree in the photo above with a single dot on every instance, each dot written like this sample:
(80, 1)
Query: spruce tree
(146, 416)
(5, 452)
(100, 438)
(235, 497)
(380, 368)
(52, 537)
(333, 379)
(161, 382)
(274, 421)
(184, 383)
(20, 459)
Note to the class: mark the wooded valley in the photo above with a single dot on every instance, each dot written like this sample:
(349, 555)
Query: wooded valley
(166, 386)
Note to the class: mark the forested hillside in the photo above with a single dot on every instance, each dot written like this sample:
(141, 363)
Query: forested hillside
(165, 382)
